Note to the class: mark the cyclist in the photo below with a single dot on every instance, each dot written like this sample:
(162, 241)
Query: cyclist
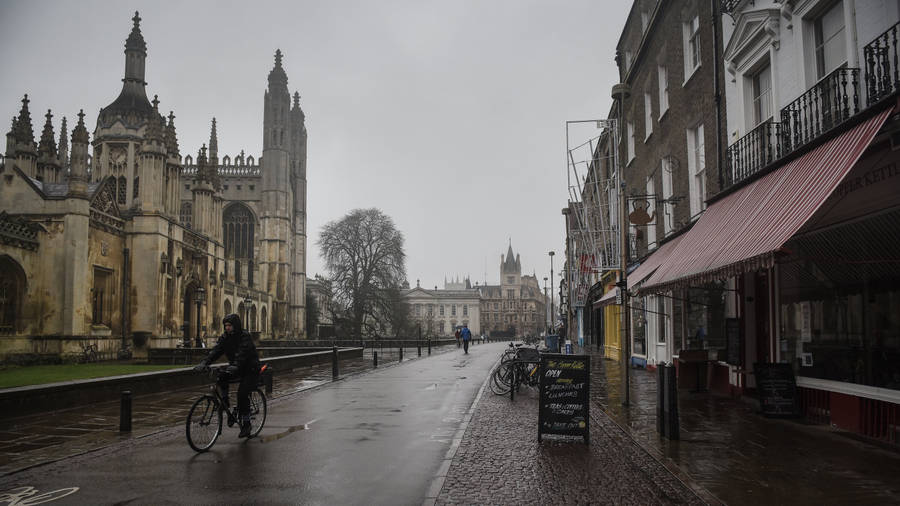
(243, 364)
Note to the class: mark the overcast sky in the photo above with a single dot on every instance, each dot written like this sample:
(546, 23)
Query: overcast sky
(447, 115)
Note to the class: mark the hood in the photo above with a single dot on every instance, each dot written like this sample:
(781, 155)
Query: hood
(235, 322)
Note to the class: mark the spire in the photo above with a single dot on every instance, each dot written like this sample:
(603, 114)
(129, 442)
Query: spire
(47, 146)
(296, 99)
(135, 41)
(24, 130)
(277, 77)
(213, 143)
(78, 173)
(11, 139)
(171, 138)
(63, 144)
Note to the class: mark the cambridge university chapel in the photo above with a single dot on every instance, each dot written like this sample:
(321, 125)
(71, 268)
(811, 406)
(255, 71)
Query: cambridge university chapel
(122, 242)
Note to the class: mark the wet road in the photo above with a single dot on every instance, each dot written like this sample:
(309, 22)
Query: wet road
(377, 438)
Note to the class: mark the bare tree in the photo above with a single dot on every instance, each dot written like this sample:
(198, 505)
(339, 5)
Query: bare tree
(363, 252)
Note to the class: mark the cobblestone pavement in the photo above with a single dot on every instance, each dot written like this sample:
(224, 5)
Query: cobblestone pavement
(499, 461)
(741, 457)
(45, 437)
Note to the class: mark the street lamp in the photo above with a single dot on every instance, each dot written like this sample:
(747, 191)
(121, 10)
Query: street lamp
(552, 310)
(201, 298)
(247, 302)
(546, 319)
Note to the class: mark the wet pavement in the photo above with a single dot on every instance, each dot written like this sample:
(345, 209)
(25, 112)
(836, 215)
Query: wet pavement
(741, 457)
(375, 438)
(45, 437)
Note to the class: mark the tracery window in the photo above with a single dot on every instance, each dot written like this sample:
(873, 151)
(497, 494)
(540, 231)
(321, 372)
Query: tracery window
(239, 227)
(187, 211)
(120, 190)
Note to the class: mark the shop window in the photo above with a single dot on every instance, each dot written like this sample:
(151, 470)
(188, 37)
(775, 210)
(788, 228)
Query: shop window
(705, 317)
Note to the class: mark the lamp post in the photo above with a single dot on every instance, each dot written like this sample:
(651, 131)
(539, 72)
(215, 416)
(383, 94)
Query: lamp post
(247, 302)
(552, 309)
(546, 313)
(201, 298)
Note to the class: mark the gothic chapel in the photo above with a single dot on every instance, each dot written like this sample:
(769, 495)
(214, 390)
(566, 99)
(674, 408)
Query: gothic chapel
(124, 244)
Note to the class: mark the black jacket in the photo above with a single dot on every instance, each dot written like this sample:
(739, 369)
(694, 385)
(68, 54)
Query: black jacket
(238, 347)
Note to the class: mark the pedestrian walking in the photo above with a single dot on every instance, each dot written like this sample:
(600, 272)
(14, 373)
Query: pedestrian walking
(457, 337)
(466, 337)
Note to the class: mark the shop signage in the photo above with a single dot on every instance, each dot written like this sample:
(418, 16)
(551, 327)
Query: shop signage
(777, 389)
(564, 403)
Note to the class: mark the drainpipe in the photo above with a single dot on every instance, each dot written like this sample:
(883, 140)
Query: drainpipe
(716, 20)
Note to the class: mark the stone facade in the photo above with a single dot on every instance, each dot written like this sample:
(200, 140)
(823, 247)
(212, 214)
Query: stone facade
(441, 312)
(515, 307)
(124, 244)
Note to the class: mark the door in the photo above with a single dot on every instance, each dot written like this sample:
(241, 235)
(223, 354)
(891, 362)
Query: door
(762, 315)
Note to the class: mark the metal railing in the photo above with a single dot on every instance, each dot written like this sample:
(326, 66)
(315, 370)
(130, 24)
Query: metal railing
(760, 147)
(830, 102)
(827, 104)
(882, 74)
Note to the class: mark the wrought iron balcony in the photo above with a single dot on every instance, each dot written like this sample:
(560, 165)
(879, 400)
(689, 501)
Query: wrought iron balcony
(760, 147)
(830, 102)
(882, 75)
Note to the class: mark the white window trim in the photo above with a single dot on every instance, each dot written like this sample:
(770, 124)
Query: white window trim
(663, 78)
(648, 116)
(651, 227)
(686, 29)
(696, 195)
(629, 141)
(668, 208)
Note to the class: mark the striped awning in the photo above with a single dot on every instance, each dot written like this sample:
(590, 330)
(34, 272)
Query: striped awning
(652, 262)
(741, 232)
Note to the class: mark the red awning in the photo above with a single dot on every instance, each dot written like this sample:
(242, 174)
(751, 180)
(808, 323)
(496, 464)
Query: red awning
(741, 232)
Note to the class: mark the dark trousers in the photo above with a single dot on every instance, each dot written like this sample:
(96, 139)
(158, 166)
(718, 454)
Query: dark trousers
(466, 345)
(247, 384)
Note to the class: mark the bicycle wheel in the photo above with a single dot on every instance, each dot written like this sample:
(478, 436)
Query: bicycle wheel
(257, 411)
(501, 379)
(204, 423)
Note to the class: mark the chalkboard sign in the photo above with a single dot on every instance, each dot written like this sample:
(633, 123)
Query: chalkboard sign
(565, 388)
(777, 389)
(733, 340)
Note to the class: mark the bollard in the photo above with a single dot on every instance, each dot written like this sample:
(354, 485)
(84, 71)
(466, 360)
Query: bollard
(429, 346)
(375, 357)
(334, 363)
(419, 348)
(125, 412)
(401, 352)
(672, 426)
(660, 398)
(267, 379)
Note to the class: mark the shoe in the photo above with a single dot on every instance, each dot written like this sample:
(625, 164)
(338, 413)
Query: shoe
(232, 419)
(245, 429)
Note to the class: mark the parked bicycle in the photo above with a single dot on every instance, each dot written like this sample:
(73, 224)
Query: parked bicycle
(518, 366)
(89, 353)
(204, 421)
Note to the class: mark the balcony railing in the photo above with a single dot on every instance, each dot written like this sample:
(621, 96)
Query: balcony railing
(880, 55)
(830, 102)
(760, 147)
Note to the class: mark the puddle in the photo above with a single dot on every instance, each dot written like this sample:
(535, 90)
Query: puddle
(290, 430)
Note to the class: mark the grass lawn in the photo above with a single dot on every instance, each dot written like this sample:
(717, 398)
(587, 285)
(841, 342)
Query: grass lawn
(40, 374)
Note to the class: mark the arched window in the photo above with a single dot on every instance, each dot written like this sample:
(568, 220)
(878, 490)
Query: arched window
(252, 323)
(12, 293)
(227, 307)
(137, 185)
(187, 211)
(120, 191)
(239, 227)
(263, 317)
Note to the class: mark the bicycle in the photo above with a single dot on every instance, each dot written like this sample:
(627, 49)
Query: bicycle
(88, 353)
(204, 421)
(519, 363)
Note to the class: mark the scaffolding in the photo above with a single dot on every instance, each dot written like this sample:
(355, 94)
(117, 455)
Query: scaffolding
(593, 184)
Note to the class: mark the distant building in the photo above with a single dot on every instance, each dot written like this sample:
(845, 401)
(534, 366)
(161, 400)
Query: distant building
(441, 312)
(515, 307)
